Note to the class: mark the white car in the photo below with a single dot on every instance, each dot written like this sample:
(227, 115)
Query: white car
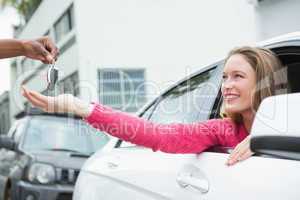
(125, 171)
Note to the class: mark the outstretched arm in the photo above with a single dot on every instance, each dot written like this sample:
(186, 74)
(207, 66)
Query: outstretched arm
(42, 49)
(171, 138)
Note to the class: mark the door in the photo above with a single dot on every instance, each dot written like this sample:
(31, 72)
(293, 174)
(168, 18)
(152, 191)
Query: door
(258, 177)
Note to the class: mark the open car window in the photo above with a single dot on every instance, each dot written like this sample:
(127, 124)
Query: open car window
(182, 103)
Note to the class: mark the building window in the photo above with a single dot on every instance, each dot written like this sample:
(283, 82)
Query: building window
(122, 89)
(70, 84)
(64, 24)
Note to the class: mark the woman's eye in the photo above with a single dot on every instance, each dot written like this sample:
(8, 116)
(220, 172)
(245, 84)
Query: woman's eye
(224, 77)
(238, 76)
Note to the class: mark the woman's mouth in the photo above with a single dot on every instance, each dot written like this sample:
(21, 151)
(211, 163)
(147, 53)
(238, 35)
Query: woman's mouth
(230, 97)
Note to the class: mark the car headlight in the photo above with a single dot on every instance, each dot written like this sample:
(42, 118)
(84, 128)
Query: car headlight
(41, 173)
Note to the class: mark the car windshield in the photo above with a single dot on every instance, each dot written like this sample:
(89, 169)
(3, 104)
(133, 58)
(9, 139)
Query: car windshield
(62, 134)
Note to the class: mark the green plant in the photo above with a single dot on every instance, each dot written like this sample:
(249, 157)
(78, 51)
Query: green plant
(25, 7)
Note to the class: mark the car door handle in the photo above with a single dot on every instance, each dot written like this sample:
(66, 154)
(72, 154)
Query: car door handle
(112, 165)
(185, 180)
(193, 177)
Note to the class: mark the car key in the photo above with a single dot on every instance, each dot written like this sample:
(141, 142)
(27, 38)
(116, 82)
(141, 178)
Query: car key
(52, 77)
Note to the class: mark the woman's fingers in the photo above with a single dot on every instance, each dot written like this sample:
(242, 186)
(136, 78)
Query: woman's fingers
(39, 96)
(246, 155)
(235, 156)
(241, 152)
(35, 102)
(32, 99)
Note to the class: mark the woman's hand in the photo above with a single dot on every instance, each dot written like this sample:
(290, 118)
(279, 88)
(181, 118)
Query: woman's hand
(241, 152)
(64, 103)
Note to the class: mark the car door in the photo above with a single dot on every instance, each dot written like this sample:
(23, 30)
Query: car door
(207, 176)
(139, 173)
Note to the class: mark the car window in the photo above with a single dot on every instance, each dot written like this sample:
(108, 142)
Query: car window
(19, 130)
(183, 103)
(49, 133)
(145, 115)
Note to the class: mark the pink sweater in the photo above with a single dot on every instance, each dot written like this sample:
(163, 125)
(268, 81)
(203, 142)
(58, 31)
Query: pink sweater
(170, 138)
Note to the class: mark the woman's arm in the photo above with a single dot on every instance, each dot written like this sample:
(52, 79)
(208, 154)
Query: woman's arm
(171, 138)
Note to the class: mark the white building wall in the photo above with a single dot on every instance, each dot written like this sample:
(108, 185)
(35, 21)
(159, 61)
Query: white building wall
(276, 17)
(42, 21)
(44, 17)
(168, 38)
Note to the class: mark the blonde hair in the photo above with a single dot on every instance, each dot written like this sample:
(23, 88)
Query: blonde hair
(265, 63)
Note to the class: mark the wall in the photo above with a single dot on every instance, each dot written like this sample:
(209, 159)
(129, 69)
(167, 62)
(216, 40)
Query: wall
(169, 38)
(276, 17)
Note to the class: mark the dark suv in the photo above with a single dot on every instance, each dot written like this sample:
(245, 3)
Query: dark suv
(42, 154)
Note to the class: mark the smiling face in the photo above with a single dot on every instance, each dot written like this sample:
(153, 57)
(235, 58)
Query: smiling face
(239, 83)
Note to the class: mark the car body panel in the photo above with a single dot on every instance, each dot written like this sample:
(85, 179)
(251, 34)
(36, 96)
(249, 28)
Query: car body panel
(138, 173)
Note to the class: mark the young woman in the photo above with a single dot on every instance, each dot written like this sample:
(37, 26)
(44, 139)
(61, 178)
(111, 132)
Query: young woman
(248, 78)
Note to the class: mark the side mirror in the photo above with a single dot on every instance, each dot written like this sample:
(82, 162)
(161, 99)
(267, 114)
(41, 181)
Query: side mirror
(7, 143)
(287, 147)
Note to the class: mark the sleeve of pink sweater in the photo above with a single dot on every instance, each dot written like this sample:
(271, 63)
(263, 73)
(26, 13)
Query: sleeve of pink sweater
(169, 138)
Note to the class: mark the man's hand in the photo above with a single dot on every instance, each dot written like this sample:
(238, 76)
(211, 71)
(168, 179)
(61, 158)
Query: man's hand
(42, 49)
(241, 152)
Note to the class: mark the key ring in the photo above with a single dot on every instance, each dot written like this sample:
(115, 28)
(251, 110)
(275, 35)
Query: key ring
(52, 76)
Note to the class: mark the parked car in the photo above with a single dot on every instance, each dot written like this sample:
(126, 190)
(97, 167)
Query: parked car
(43, 155)
(126, 171)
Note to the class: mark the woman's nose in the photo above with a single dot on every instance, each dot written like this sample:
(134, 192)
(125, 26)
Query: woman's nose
(227, 84)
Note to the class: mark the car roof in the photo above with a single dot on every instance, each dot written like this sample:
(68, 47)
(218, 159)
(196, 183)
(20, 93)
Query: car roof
(293, 36)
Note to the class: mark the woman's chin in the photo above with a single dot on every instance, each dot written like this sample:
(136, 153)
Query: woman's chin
(232, 109)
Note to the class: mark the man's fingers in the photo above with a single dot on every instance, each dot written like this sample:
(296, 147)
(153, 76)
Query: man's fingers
(51, 49)
(48, 58)
(54, 52)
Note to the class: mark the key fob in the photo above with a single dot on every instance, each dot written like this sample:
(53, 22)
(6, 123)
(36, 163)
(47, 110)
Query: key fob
(52, 77)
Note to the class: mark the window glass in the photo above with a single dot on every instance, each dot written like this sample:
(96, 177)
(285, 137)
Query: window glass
(54, 133)
(183, 103)
(64, 24)
(70, 84)
(146, 116)
(122, 89)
